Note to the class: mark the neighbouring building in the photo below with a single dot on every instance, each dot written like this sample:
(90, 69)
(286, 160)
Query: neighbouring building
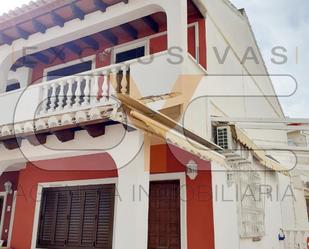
(115, 131)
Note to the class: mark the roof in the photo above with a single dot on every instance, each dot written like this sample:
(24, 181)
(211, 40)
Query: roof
(41, 15)
(25, 8)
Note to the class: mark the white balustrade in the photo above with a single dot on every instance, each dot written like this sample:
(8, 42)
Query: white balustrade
(87, 89)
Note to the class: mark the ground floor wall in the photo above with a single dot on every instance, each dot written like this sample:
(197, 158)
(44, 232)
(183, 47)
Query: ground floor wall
(200, 229)
(29, 179)
(166, 163)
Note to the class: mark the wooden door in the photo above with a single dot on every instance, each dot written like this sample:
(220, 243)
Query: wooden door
(164, 215)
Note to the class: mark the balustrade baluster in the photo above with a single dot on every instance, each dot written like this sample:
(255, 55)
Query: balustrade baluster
(86, 91)
(105, 87)
(69, 94)
(61, 96)
(78, 91)
(95, 89)
(53, 97)
(113, 81)
(124, 82)
(44, 104)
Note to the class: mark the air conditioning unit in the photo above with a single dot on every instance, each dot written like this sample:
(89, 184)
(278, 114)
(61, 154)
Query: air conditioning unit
(224, 137)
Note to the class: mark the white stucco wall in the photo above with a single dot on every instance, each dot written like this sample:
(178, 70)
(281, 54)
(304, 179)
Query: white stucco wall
(225, 210)
(229, 91)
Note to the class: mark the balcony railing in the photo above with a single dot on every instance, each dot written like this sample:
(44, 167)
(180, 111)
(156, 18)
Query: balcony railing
(91, 88)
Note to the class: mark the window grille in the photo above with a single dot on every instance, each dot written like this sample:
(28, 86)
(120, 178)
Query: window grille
(250, 202)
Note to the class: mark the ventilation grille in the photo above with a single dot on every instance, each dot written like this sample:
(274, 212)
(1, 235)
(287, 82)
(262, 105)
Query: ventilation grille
(223, 137)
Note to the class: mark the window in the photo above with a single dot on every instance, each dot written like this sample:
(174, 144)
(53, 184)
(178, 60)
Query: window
(164, 215)
(12, 86)
(130, 54)
(70, 70)
(251, 205)
(77, 217)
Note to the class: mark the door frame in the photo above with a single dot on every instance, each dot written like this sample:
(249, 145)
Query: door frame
(183, 200)
(4, 195)
(12, 219)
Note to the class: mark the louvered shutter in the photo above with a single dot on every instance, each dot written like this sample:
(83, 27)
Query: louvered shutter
(77, 217)
(105, 218)
(75, 214)
(47, 217)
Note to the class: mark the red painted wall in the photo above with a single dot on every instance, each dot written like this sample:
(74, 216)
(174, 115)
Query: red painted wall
(27, 189)
(200, 224)
(164, 159)
(13, 178)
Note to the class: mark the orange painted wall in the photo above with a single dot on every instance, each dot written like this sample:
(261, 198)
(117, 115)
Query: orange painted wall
(26, 197)
(200, 224)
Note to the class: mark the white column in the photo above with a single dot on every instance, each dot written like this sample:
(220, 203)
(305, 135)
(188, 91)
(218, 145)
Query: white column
(225, 209)
(131, 212)
(177, 32)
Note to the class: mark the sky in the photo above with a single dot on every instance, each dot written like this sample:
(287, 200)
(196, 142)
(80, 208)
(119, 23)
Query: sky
(282, 23)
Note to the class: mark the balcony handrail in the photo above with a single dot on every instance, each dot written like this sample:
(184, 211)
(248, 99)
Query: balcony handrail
(85, 89)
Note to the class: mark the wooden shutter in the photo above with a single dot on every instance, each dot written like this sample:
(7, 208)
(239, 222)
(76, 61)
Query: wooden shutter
(77, 217)
(164, 215)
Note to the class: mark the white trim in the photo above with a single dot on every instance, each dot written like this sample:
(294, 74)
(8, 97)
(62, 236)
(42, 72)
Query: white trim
(91, 58)
(4, 195)
(183, 199)
(129, 46)
(197, 41)
(43, 185)
(12, 219)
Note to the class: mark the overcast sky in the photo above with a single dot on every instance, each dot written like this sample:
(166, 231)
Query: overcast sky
(284, 23)
(276, 23)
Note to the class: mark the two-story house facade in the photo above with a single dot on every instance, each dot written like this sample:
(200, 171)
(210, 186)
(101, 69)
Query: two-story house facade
(111, 134)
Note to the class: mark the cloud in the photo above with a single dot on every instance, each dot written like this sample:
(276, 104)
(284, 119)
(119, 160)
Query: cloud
(284, 23)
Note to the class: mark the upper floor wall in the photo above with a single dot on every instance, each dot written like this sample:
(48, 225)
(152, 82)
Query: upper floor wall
(104, 41)
(53, 25)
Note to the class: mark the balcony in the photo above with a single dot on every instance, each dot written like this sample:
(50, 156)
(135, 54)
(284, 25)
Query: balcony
(159, 78)
(65, 97)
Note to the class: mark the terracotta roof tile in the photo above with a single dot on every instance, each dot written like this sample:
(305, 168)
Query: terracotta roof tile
(32, 5)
